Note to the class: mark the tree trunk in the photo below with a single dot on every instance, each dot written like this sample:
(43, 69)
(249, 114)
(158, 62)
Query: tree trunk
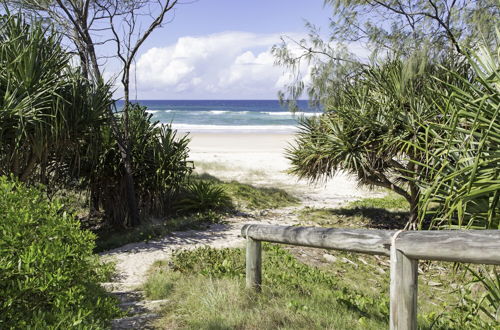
(413, 200)
(133, 207)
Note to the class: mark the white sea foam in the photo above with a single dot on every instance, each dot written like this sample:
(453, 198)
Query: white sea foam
(156, 111)
(292, 114)
(235, 128)
(218, 112)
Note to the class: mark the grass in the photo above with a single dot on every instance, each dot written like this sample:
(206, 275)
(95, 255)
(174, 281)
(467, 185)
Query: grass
(307, 288)
(391, 201)
(248, 197)
(301, 290)
(214, 166)
(206, 291)
(388, 212)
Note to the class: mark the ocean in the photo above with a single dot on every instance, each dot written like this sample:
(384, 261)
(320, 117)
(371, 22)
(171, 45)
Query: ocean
(236, 116)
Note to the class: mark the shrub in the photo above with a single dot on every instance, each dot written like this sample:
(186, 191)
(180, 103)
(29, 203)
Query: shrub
(159, 157)
(204, 196)
(48, 275)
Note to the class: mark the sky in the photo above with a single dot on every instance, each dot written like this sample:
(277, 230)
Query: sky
(220, 49)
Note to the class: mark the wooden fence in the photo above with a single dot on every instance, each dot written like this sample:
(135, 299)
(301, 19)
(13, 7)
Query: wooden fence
(404, 248)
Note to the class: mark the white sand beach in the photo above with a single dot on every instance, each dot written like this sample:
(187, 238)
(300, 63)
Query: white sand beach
(260, 159)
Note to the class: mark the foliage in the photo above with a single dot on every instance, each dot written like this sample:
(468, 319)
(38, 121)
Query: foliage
(462, 153)
(258, 198)
(160, 168)
(205, 288)
(488, 304)
(361, 31)
(370, 127)
(49, 277)
(389, 202)
(249, 197)
(203, 195)
(47, 109)
(405, 26)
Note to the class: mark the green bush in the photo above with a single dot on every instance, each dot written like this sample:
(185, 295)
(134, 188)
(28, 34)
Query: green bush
(159, 156)
(204, 196)
(48, 275)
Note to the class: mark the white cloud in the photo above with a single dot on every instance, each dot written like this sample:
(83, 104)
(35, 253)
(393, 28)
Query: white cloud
(228, 65)
(223, 65)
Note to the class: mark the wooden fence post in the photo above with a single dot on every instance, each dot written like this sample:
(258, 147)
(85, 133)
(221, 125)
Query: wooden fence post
(403, 291)
(253, 264)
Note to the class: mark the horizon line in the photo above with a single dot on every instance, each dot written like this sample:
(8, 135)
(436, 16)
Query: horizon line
(206, 100)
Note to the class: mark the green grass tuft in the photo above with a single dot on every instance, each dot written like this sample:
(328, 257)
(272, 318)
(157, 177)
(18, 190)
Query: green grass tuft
(389, 212)
(391, 201)
(248, 197)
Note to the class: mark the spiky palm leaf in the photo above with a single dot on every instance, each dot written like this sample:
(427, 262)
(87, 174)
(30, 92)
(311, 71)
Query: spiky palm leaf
(464, 153)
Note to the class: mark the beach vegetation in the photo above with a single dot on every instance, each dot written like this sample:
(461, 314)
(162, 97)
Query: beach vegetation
(388, 212)
(462, 188)
(57, 129)
(201, 195)
(301, 289)
(76, 23)
(161, 170)
(383, 112)
(372, 125)
(49, 111)
(49, 277)
(437, 140)
(252, 197)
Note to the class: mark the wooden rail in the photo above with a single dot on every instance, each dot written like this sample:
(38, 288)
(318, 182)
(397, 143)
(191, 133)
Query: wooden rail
(405, 248)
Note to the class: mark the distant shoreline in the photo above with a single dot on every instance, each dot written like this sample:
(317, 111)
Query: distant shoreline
(236, 129)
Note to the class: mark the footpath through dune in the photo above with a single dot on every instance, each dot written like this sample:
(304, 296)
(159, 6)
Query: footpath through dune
(254, 159)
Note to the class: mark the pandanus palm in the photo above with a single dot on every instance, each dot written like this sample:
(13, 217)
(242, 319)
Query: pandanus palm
(463, 153)
(161, 167)
(370, 128)
(46, 106)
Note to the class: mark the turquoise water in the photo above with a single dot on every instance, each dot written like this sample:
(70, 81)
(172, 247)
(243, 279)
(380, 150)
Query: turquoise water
(228, 115)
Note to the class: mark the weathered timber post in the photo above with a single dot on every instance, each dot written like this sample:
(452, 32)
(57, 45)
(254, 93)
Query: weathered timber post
(403, 290)
(253, 264)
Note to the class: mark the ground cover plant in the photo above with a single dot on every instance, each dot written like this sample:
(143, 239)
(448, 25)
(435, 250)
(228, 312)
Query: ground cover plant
(388, 212)
(49, 277)
(301, 290)
(249, 197)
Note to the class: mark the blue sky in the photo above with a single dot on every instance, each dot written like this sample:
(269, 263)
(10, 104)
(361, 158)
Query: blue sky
(203, 17)
(220, 49)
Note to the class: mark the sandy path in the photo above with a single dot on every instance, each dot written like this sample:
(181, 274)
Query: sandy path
(133, 260)
(249, 158)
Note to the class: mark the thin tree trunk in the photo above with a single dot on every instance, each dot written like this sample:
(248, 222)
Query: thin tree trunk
(29, 168)
(413, 200)
(133, 207)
